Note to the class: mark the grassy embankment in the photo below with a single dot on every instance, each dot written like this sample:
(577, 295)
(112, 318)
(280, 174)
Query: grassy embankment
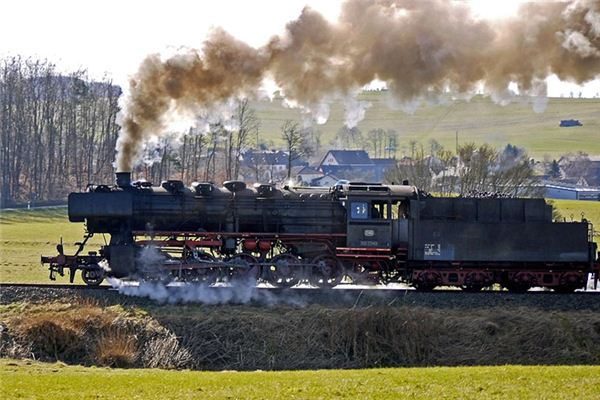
(31, 380)
(25, 235)
(478, 120)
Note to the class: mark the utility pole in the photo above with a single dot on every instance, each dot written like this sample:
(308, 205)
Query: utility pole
(456, 143)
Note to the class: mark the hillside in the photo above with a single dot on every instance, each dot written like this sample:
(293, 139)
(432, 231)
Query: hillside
(479, 120)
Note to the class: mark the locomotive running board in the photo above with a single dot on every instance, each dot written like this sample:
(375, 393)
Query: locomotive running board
(375, 253)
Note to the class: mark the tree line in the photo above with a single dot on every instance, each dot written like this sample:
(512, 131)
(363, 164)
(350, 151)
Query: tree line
(57, 131)
(58, 134)
(471, 170)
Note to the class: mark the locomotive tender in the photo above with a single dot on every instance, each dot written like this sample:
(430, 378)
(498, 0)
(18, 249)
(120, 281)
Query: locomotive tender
(353, 232)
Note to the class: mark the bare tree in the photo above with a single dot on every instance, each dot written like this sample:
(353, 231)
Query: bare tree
(57, 132)
(295, 142)
(484, 169)
(248, 125)
(348, 138)
(434, 147)
(377, 142)
(447, 179)
(474, 166)
(416, 170)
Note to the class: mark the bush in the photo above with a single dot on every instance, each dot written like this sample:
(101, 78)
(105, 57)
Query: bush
(116, 348)
(164, 351)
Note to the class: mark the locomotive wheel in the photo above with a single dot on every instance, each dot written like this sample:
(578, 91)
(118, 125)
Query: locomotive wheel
(472, 288)
(370, 273)
(92, 277)
(244, 270)
(516, 288)
(424, 287)
(328, 271)
(284, 270)
(203, 275)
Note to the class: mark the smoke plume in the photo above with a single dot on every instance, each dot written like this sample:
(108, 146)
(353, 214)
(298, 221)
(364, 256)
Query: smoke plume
(418, 48)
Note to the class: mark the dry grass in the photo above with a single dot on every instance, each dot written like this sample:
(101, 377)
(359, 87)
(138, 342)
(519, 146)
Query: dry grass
(62, 332)
(245, 338)
(116, 348)
(164, 351)
(87, 333)
(250, 338)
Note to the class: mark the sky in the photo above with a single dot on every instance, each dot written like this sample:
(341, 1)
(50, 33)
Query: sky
(111, 37)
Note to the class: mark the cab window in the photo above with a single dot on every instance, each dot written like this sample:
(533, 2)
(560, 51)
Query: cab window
(379, 210)
(359, 210)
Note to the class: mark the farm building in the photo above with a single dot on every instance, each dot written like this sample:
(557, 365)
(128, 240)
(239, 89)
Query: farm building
(568, 192)
(566, 123)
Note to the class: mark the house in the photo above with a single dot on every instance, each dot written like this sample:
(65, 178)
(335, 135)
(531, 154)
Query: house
(267, 165)
(325, 181)
(352, 165)
(303, 175)
(580, 167)
(346, 158)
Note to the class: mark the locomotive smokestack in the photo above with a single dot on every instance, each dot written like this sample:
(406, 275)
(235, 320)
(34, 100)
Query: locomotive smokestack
(123, 179)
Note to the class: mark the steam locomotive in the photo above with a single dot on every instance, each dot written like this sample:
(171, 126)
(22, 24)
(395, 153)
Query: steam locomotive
(353, 233)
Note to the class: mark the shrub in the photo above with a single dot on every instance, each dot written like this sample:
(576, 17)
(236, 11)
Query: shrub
(116, 348)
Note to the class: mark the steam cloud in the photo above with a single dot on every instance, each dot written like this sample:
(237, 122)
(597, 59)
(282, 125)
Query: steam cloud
(418, 48)
(240, 292)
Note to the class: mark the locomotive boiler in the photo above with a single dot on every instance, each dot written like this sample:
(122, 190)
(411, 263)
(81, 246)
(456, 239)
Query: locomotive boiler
(353, 232)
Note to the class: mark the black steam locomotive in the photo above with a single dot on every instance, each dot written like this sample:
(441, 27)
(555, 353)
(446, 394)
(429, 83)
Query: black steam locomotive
(352, 232)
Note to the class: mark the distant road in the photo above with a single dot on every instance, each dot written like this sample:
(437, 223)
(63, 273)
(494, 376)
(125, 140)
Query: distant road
(32, 208)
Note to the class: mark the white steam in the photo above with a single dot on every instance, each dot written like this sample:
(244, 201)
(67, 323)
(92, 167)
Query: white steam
(237, 292)
(354, 111)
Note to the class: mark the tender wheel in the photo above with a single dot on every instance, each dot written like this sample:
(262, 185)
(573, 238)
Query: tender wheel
(427, 280)
(565, 289)
(244, 268)
(93, 276)
(327, 272)
(284, 270)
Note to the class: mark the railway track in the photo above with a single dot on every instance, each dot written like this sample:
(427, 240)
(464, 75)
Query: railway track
(300, 289)
(339, 297)
(48, 286)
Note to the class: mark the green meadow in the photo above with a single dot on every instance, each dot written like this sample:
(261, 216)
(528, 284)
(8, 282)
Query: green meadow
(34, 380)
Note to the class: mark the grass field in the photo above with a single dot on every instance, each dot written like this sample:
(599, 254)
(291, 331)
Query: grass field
(575, 209)
(34, 380)
(25, 235)
(479, 120)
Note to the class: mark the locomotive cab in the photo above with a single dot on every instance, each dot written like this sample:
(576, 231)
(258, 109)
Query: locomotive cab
(377, 216)
(369, 222)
